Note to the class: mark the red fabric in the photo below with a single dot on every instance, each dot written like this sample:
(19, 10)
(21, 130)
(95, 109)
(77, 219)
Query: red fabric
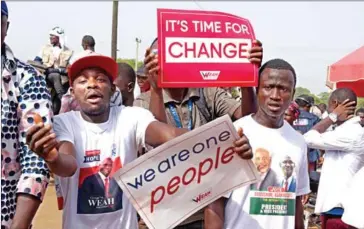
(333, 222)
(349, 71)
(107, 187)
(357, 87)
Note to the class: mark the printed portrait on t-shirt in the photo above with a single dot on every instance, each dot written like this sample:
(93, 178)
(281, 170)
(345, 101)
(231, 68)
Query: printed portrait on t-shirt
(262, 160)
(289, 180)
(98, 190)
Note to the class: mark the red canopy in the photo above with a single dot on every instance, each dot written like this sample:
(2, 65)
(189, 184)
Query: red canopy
(348, 72)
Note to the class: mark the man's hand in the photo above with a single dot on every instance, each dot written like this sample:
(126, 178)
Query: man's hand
(242, 146)
(41, 140)
(256, 53)
(345, 110)
(304, 199)
(151, 68)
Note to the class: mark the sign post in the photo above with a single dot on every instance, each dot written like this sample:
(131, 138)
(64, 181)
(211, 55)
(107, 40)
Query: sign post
(175, 180)
(204, 49)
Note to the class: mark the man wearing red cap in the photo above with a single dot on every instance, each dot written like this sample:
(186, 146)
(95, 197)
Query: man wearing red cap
(87, 137)
(24, 176)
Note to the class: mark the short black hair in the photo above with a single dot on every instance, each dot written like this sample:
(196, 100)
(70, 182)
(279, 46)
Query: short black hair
(125, 70)
(279, 64)
(360, 110)
(342, 94)
(89, 41)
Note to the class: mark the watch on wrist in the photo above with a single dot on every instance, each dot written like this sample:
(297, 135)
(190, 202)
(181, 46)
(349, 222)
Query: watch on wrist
(333, 117)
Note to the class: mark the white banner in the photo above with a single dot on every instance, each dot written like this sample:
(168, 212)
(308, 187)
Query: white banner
(175, 180)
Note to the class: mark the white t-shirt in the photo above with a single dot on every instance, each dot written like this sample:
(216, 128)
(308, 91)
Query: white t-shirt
(354, 202)
(91, 201)
(271, 202)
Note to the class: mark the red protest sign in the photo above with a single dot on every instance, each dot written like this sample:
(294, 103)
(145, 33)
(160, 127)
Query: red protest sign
(204, 49)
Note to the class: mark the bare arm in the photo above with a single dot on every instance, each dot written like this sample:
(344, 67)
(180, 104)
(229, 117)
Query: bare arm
(158, 133)
(26, 208)
(299, 224)
(248, 103)
(65, 165)
(156, 105)
(214, 214)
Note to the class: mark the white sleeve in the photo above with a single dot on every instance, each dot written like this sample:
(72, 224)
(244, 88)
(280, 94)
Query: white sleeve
(337, 139)
(143, 118)
(303, 182)
(60, 127)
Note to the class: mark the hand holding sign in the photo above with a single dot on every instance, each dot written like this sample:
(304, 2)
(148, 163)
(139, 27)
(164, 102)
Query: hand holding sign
(206, 49)
(41, 140)
(242, 146)
(152, 64)
(151, 67)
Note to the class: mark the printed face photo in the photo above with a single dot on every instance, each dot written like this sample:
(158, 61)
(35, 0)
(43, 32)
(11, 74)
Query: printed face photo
(262, 160)
(106, 167)
(287, 166)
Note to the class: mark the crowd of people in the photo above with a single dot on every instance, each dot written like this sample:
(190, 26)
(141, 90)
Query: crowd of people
(92, 125)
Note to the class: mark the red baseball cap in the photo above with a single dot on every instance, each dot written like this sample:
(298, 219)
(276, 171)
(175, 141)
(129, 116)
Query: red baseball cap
(93, 60)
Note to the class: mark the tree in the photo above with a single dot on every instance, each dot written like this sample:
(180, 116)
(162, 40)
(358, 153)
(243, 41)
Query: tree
(131, 62)
(301, 91)
(360, 102)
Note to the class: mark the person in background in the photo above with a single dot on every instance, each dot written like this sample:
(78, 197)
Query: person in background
(193, 107)
(360, 113)
(292, 113)
(24, 175)
(304, 123)
(100, 131)
(316, 111)
(266, 129)
(344, 155)
(142, 80)
(88, 44)
(55, 56)
(125, 82)
(323, 108)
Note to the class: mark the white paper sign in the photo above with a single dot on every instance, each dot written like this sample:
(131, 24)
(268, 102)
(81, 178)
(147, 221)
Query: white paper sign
(175, 180)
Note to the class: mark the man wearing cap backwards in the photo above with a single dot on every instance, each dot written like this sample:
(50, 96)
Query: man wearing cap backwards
(55, 56)
(96, 132)
(24, 176)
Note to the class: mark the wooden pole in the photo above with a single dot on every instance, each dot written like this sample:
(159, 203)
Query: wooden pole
(114, 30)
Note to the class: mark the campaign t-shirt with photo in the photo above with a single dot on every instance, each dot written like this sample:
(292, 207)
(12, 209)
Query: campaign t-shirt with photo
(92, 197)
(280, 156)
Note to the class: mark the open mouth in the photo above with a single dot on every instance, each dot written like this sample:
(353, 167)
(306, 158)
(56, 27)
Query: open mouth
(94, 97)
(274, 107)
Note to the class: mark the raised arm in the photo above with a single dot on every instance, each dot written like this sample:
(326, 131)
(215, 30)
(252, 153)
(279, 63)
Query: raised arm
(156, 105)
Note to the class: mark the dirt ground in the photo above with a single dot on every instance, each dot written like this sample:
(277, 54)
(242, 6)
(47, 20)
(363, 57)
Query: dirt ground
(48, 215)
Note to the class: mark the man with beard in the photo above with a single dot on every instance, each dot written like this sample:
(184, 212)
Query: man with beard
(95, 132)
(245, 208)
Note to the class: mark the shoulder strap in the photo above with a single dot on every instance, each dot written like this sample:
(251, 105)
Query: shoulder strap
(202, 106)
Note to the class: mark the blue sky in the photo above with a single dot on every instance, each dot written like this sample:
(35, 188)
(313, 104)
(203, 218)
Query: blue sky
(309, 35)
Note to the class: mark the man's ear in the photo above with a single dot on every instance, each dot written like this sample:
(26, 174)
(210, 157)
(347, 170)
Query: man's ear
(131, 86)
(113, 89)
(293, 93)
(72, 92)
